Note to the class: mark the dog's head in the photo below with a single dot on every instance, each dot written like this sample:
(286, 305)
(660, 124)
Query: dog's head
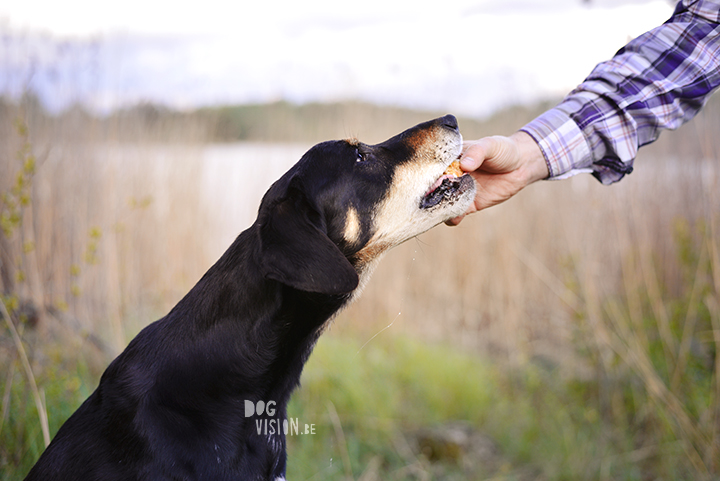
(345, 203)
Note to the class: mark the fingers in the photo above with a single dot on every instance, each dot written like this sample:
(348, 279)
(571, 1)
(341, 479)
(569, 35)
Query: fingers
(494, 163)
(500, 167)
(455, 220)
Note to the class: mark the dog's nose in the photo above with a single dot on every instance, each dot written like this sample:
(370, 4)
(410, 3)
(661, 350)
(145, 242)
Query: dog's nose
(450, 122)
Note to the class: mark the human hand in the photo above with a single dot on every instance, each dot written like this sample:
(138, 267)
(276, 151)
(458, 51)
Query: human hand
(501, 167)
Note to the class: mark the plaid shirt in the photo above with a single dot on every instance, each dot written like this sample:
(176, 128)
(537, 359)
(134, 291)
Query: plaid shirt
(657, 81)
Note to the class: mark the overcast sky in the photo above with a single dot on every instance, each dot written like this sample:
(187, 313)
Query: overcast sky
(466, 57)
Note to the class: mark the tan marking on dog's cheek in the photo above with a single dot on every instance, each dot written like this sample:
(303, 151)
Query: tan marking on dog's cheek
(419, 139)
(352, 226)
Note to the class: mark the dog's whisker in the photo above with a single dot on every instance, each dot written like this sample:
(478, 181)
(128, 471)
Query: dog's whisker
(378, 333)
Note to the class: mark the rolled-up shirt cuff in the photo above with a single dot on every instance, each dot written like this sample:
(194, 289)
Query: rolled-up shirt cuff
(562, 143)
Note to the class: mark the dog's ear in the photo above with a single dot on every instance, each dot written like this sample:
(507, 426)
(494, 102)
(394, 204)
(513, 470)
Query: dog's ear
(297, 252)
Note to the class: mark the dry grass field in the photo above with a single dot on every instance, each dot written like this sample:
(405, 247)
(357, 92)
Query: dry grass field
(592, 312)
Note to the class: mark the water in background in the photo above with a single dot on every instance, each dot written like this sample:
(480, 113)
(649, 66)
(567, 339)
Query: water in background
(234, 179)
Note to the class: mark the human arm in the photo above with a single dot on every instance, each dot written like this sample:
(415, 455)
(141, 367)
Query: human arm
(658, 81)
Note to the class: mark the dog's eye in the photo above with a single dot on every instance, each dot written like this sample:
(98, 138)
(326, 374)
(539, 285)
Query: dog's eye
(360, 156)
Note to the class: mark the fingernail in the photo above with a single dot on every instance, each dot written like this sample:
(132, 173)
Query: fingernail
(467, 162)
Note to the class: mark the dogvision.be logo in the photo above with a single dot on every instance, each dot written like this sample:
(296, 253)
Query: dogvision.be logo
(270, 425)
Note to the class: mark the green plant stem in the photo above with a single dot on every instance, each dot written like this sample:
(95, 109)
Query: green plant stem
(688, 325)
(340, 435)
(42, 413)
(7, 393)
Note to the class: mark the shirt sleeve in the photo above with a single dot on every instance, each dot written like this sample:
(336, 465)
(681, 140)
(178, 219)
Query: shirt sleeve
(658, 81)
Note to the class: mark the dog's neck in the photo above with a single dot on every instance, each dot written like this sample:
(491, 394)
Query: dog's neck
(274, 326)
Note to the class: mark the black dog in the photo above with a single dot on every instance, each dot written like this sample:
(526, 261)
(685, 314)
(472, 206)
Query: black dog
(172, 405)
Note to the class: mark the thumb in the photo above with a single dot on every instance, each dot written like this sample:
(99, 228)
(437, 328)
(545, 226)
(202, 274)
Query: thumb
(473, 155)
(496, 154)
(469, 164)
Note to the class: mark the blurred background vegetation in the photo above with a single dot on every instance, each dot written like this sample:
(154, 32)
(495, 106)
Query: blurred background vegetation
(570, 333)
